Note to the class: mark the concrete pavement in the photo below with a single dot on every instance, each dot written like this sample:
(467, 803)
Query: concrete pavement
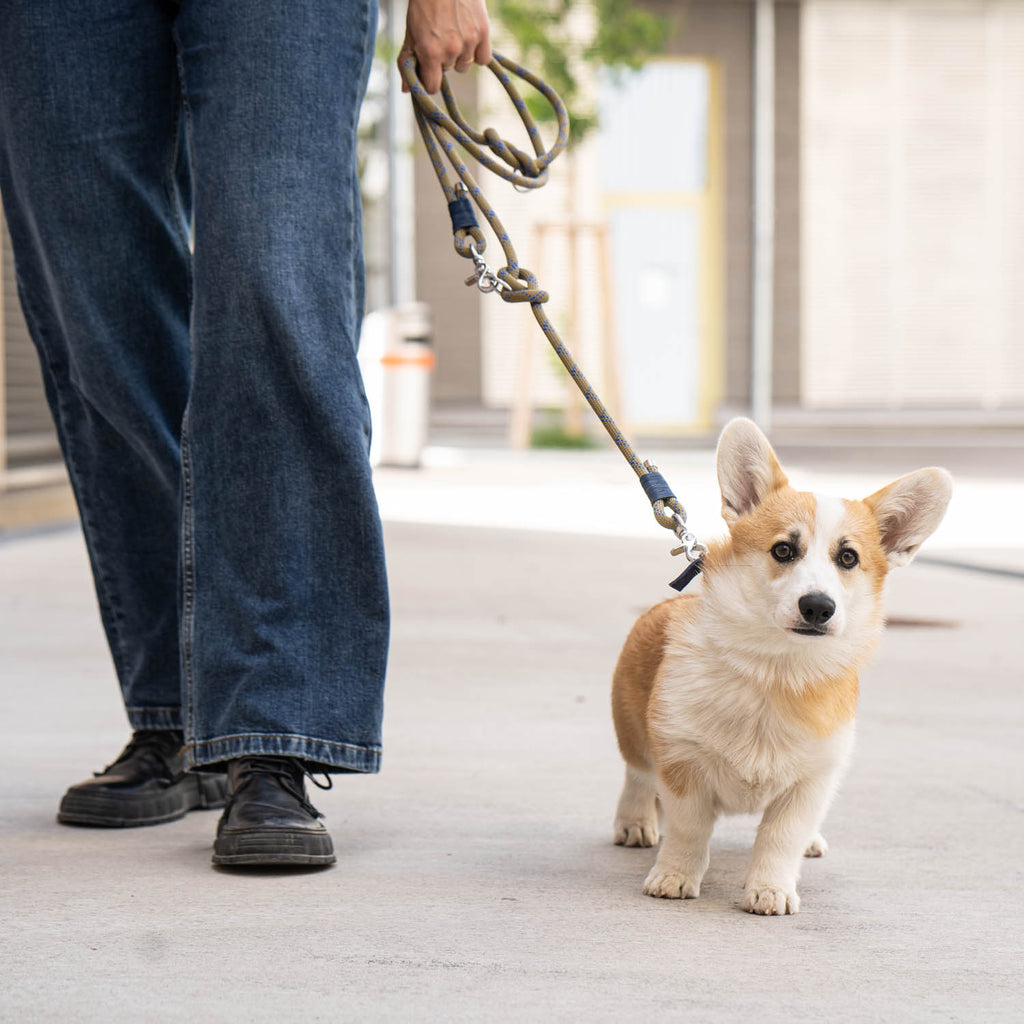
(476, 877)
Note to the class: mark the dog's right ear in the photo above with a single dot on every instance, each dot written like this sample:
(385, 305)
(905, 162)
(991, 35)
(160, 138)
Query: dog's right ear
(748, 470)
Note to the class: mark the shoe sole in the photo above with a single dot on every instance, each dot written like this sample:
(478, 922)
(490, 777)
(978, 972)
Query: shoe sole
(197, 791)
(273, 860)
(274, 848)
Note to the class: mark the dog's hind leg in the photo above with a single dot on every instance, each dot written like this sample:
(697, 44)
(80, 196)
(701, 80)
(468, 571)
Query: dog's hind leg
(817, 848)
(636, 819)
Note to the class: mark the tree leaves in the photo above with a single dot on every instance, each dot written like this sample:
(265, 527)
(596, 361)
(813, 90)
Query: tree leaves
(552, 45)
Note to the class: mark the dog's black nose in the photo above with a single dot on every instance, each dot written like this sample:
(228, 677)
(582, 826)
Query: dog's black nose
(816, 608)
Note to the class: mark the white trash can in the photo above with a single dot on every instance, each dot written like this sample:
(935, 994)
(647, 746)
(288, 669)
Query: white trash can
(407, 362)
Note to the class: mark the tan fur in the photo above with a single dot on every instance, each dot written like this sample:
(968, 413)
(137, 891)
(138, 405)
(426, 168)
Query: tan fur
(679, 777)
(634, 677)
(775, 516)
(822, 708)
(740, 696)
(864, 531)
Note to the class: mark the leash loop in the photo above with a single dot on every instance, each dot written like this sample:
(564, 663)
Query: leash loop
(445, 132)
(521, 286)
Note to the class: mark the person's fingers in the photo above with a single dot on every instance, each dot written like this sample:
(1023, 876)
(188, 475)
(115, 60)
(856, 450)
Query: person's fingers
(483, 54)
(476, 44)
(467, 55)
(404, 53)
(446, 34)
(430, 70)
(428, 67)
(434, 56)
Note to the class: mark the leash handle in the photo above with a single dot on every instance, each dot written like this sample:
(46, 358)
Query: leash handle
(447, 131)
(517, 167)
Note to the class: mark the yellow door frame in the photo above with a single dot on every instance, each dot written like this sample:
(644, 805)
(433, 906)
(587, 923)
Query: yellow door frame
(708, 204)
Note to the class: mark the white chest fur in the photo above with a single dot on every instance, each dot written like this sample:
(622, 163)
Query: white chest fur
(743, 745)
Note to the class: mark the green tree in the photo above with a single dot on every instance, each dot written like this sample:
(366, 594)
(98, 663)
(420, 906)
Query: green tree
(624, 36)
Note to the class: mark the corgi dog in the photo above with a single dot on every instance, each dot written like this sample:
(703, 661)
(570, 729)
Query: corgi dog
(741, 698)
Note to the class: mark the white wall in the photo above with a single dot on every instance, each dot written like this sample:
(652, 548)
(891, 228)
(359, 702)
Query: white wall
(913, 203)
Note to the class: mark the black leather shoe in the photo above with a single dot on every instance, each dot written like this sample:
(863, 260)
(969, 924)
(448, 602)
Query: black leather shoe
(146, 785)
(268, 822)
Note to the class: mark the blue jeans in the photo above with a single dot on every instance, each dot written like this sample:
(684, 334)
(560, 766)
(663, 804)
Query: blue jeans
(180, 184)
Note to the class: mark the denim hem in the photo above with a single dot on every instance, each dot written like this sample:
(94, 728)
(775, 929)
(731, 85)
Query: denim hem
(155, 718)
(324, 754)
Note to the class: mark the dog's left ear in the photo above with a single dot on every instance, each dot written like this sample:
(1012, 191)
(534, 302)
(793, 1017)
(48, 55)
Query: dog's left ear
(909, 510)
(748, 470)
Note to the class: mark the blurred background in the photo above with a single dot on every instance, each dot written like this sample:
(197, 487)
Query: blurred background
(808, 212)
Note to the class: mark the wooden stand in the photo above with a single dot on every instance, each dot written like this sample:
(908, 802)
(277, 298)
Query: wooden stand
(520, 426)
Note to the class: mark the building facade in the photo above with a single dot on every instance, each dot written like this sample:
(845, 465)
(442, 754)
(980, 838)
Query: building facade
(896, 231)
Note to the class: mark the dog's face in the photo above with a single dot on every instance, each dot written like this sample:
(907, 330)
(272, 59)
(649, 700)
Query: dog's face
(816, 563)
(810, 569)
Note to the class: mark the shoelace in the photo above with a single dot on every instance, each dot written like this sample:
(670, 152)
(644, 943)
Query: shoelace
(159, 744)
(288, 771)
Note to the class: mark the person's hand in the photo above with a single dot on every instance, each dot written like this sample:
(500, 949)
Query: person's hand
(445, 34)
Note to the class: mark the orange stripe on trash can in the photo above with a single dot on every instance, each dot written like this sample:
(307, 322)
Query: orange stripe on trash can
(425, 359)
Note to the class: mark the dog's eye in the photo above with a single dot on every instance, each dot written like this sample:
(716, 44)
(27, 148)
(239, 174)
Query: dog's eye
(848, 558)
(783, 552)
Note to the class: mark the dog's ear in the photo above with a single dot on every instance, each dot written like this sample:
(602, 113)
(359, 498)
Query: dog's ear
(748, 470)
(909, 510)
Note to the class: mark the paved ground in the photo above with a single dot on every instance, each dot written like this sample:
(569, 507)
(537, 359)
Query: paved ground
(476, 878)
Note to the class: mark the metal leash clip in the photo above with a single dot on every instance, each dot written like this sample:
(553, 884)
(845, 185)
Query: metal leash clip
(483, 277)
(688, 543)
(692, 548)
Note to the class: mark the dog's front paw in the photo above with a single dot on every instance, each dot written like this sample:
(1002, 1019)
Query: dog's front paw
(769, 900)
(671, 885)
(636, 833)
(817, 848)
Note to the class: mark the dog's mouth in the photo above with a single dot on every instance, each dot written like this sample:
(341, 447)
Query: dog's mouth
(809, 631)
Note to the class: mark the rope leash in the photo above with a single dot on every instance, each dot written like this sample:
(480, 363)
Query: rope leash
(447, 132)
